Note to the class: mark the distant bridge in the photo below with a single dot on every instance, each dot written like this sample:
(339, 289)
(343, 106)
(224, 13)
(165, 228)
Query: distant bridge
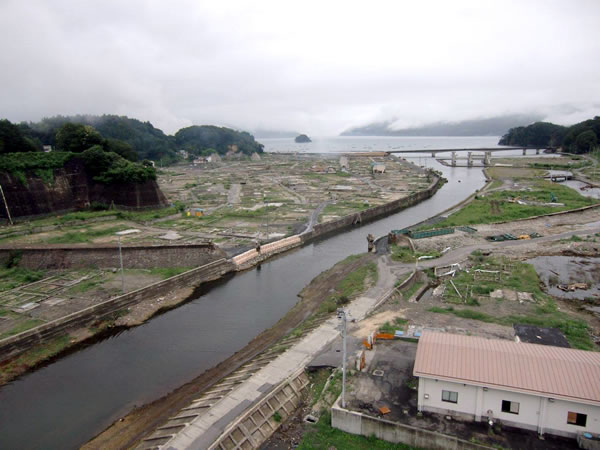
(485, 153)
(433, 151)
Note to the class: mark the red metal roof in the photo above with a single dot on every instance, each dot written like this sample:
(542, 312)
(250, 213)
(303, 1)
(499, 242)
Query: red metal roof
(532, 368)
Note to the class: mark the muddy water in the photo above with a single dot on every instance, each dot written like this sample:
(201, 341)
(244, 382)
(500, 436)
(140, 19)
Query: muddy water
(555, 270)
(66, 403)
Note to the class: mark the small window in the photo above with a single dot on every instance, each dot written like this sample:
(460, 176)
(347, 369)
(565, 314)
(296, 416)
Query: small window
(578, 419)
(510, 407)
(449, 396)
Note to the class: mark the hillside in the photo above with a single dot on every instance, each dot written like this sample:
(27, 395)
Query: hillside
(43, 183)
(579, 138)
(147, 141)
(207, 139)
(495, 126)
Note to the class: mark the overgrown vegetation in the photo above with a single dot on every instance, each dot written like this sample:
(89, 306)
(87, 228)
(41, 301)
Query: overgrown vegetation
(503, 206)
(84, 234)
(520, 277)
(322, 435)
(32, 357)
(405, 254)
(13, 277)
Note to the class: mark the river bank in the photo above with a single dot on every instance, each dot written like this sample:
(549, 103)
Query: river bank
(128, 430)
(49, 341)
(174, 342)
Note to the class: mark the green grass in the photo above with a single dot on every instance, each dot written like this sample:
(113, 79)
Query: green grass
(20, 327)
(32, 357)
(406, 255)
(397, 324)
(323, 436)
(83, 235)
(355, 282)
(410, 291)
(480, 210)
(522, 278)
(84, 286)
(576, 331)
(18, 276)
(496, 184)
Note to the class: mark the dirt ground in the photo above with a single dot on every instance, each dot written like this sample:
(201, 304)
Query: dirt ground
(141, 421)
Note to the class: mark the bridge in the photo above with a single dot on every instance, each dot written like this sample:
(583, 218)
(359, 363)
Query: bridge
(434, 151)
(485, 157)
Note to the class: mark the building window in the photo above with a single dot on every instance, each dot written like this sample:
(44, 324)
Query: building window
(510, 407)
(578, 419)
(449, 396)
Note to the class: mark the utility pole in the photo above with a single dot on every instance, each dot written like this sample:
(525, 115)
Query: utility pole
(119, 234)
(6, 205)
(342, 315)
(122, 275)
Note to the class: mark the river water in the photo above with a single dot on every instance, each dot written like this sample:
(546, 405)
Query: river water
(64, 404)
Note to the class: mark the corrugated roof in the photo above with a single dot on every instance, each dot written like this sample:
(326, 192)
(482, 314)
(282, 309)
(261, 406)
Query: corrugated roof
(538, 369)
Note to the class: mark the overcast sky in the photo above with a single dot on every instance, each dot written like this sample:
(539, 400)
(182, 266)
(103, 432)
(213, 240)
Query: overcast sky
(312, 66)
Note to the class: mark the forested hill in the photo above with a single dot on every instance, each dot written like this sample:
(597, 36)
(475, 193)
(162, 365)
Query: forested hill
(208, 139)
(579, 138)
(134, 139)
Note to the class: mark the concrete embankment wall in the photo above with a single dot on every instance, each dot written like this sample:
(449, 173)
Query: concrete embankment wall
(16, 344)
(371, 214)
(256, 425)
(362, 424)
(251, 257)
(107, 256)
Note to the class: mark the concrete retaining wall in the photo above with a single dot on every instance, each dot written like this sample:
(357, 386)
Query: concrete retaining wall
(362, 424)
(251, 257)
(16, 344)
(256, 425)
(107, 256)
(371, 214)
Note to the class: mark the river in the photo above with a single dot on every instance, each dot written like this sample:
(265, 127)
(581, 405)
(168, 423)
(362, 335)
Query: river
(64, 404)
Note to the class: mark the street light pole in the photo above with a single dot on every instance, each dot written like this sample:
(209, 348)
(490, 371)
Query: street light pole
(122, 274)
(119, 234)
(342, 315)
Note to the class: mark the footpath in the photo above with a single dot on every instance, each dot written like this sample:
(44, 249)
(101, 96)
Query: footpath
(218, 423)
(206, 430)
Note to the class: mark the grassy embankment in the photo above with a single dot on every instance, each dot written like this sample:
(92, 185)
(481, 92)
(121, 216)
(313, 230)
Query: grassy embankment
(521, 278)
(322, 435)
(351, 286)
(500, 206)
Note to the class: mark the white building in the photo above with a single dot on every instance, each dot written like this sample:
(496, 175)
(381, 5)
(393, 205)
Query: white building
(546, 389)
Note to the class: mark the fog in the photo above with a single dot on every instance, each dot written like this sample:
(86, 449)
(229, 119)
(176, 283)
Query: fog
(314, 67)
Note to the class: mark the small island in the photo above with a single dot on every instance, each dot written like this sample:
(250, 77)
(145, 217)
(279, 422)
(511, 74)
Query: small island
(302, 138)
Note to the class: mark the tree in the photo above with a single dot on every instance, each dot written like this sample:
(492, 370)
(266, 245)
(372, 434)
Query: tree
(586, 141)
(12, 140)
(121, 148)
(76, 137)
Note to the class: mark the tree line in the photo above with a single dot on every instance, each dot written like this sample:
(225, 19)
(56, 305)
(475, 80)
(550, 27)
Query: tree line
(131, 138)
(579, 138)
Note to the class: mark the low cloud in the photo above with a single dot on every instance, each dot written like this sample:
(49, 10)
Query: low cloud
(315, 67)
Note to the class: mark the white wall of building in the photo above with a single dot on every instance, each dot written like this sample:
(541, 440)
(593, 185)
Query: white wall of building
(535, 413)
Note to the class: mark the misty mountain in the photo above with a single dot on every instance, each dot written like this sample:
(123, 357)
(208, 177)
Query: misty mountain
(495, 126)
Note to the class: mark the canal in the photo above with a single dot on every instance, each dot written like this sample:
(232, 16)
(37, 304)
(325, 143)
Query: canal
(64, 404)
